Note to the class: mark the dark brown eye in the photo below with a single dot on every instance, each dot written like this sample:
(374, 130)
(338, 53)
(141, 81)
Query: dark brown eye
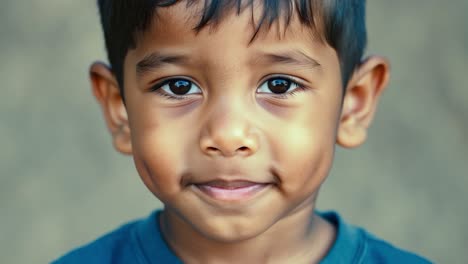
(278, 85)
(179, 86)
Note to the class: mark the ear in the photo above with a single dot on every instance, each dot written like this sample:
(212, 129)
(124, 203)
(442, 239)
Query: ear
(360, 101)
(106, 90)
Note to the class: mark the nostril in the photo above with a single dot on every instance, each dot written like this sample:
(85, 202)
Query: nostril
(211, 149)
(243, 148)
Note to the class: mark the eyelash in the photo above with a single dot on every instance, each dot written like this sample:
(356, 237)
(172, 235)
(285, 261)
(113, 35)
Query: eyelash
(300, 88)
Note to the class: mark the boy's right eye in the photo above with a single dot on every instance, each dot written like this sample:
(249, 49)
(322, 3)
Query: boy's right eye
(176, 88)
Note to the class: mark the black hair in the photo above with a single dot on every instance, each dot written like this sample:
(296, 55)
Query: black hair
(340, 23)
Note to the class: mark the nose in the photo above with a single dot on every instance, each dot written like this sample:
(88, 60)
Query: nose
(228, 132)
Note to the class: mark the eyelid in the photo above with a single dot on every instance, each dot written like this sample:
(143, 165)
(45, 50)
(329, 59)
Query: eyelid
(162, 81)
(295, 79)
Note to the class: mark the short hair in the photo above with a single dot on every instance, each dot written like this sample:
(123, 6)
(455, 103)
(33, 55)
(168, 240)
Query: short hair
(340, 23)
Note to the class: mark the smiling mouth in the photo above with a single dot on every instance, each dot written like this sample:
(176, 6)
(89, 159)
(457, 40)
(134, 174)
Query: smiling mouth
(232, 191)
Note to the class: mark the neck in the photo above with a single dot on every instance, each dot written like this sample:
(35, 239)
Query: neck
(300, 237)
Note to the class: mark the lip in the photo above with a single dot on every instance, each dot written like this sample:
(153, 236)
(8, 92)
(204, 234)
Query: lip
(231, 191)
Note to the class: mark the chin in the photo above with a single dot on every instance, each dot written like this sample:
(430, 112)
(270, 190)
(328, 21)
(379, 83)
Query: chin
(231, 230)
(232, 236)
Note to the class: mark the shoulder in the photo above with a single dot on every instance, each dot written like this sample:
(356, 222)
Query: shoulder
(117, 246)
(377, 250)
(356, 245)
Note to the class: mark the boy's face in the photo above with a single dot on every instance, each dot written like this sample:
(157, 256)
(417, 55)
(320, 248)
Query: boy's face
(235, 151)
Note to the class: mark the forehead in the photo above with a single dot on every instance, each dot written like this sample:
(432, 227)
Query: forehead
(178, 22)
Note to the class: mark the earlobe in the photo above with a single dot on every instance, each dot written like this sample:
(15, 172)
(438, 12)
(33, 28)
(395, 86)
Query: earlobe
(360, 102)
(351, 134)
(106, 90)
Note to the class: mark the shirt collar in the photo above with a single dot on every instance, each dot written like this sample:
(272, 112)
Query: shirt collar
(151, 241)
(348, 245)
(349, 242)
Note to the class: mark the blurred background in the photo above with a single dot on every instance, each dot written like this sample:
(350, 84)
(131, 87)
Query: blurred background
(62, 184)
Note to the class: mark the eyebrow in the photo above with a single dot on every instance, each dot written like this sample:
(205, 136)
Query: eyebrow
(156, 60)
(292, 57)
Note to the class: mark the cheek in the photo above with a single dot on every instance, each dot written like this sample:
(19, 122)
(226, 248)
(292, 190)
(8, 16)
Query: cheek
(305, 154)
(305, 162)
(157, 152)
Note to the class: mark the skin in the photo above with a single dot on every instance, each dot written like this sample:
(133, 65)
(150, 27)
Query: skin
(231, 127)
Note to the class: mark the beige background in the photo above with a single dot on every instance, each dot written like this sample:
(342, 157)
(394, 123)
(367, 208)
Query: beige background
(62, 184)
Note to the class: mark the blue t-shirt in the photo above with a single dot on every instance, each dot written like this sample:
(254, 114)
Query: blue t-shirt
(141, 242)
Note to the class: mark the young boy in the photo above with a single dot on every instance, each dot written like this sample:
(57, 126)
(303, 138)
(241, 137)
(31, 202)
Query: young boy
(231, 110)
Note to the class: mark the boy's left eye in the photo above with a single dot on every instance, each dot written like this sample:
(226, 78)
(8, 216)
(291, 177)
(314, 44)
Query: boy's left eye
(278, 86)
